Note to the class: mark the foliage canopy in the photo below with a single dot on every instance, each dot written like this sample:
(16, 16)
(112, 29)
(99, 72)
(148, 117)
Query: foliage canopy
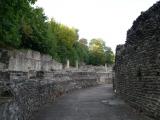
(25, 27)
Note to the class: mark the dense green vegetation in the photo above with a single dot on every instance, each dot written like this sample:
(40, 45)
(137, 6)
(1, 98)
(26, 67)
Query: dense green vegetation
(25, 27)
(99, 53)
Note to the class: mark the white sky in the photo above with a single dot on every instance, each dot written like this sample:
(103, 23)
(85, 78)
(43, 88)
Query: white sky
(106, 19)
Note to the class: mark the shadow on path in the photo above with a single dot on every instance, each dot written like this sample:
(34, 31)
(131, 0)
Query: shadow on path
(96, 103)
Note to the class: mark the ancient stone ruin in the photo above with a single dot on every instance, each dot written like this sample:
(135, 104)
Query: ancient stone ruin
(28, 80)
(27, 60)
(137, 67)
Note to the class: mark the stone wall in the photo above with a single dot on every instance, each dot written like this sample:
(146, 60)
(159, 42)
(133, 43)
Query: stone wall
(104, 73)
(27, 60)
(137, 67)
(21, 96)
(105, 77)
(28, 80)
(101, 68)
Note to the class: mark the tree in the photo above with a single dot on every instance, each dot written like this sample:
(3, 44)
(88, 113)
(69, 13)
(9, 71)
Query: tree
(34, 31)
(82, 52)
(65, 39)
(97, 55)
(11, 13)
(109, 56)
(23, 26)
(83, 41)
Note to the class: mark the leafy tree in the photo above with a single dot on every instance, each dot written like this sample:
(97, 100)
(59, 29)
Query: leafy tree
(23, 26)
(34, 31)
(109, 55)
(10, 14)
(52, 42)
(82, 52)
(83, 41)
(65, 39)
(97, 55)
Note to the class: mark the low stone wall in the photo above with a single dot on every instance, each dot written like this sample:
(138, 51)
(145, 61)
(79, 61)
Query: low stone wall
(27, 60)
(137, 67)
(21, 96)
(100, 69)
(28, 80)
(105, 77)
(104, 73)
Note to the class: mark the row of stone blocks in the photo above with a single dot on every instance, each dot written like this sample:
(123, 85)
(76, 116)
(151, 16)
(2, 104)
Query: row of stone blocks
(27, 60)
(21, 94)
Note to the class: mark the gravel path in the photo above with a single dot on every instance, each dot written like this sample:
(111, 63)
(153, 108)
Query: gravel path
(96, 103)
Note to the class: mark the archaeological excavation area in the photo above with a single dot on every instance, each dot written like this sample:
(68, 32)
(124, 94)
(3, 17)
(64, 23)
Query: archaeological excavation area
(34, 86)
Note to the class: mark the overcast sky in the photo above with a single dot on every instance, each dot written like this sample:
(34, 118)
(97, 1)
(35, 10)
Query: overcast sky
(106, 19)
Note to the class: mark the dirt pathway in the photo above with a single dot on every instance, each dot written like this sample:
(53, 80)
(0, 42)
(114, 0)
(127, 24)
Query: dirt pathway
(96, 103)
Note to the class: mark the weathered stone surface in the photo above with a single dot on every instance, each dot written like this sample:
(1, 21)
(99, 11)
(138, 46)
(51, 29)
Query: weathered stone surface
(137, 67)
(21, 96)
(26, 60)
(96, 68)
(105, 73)
(28, 80)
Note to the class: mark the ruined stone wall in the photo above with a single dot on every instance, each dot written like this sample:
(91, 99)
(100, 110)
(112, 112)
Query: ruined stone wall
(104, 73)
(105, 78)
(28, 80)
(27, 60)
(92, 68)
(137, 67)
(21, 96)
